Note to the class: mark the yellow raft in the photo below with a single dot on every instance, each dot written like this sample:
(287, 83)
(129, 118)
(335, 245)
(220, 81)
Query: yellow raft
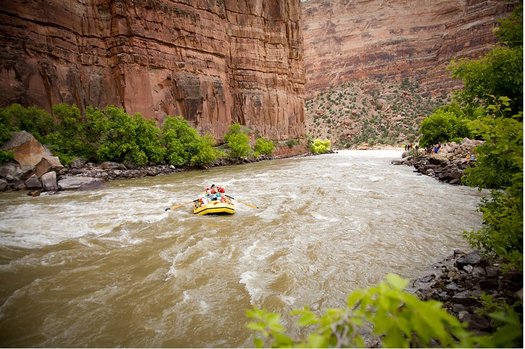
(213, 207)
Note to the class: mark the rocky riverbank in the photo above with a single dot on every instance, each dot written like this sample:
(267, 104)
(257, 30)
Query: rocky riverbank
(460, 280)
(447, 165)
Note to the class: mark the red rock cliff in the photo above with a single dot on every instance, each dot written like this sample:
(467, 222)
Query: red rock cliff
(214, 62)
(347, 40)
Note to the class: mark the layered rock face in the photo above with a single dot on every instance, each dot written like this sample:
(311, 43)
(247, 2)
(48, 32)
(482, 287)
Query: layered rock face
(353, 39)
(213, 62)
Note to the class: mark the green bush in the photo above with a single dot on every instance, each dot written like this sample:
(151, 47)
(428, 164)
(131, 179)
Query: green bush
(180, 139)
(510, 31)
(238, 142)
(502, 233)
(320, 146)
(6, 156)
(497, 74)
(492, 98)
(442, 126)
(5, 130)
(500, 158)
(113, 132)
(205, 153)
(31, 119)
(292, 142)
(396, 317)
(109, 135)
(69, 141)
(239, 145)
(499, 166)
(148, 139)
(263, 147)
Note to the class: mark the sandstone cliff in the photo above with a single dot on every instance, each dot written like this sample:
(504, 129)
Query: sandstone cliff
(347, 40)
(213, 62)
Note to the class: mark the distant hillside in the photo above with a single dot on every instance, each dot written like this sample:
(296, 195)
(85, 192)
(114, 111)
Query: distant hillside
(369, 112)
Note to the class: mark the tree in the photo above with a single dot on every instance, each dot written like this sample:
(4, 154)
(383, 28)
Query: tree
(442, 126)
(113, 132)
(69, 140)
(500, 72)
(205, 153)
(499, 166)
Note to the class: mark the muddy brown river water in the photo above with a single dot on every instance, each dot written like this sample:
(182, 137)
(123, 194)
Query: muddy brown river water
(111, 268)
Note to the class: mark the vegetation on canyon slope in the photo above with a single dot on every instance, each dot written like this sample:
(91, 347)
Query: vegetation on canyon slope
(489, 107)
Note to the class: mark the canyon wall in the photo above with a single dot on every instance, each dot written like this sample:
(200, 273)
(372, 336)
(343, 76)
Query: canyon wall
(346, 40)
(213, 62)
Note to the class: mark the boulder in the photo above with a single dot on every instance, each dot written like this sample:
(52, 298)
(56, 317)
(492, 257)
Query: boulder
(3, 184)
(33, 183)
(80, 183)
(472, 258)
(10, 171)
(49, 181)
(47, 164)
(78, 163)
(28, 152)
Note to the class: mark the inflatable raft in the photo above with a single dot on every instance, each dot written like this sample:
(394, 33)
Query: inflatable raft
(213, 207)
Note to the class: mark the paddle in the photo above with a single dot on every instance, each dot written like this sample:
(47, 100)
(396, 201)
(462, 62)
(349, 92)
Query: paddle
(247, 204)
(173, 207)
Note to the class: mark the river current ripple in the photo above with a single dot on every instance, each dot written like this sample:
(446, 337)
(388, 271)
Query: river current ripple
(111, 268)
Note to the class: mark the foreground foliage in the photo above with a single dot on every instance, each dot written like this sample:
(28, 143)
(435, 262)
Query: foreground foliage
(384, 313)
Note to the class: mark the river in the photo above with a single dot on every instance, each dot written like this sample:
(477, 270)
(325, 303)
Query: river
(111, 268)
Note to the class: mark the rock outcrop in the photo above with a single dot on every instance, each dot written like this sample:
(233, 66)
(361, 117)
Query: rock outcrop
(349, 40)
(213, 62)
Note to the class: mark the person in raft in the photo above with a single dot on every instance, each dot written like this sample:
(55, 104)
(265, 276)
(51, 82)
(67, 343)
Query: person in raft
(213, 193)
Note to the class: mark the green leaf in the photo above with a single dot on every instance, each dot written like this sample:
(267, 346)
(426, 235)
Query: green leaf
(317, 341)
(258, 342)
(256, 326)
